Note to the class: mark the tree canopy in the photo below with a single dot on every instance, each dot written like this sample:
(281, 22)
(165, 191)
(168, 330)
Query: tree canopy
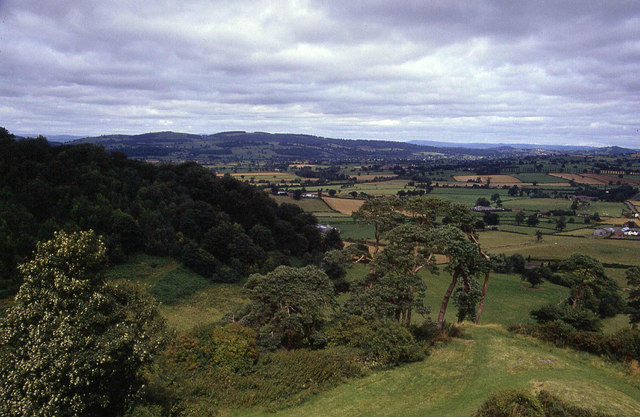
(73, 344)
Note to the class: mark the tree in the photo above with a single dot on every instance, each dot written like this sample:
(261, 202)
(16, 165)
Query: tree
(381, 214)
(288, 306)
(561, 224)
(73, 344)
(490, 218)
(481, 201)
(591, 288)
(532, 276)
(520, 217)
(538, 235)
(633, 280)
(533, 220)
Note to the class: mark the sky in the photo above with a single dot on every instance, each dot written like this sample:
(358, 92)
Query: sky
(500, 71)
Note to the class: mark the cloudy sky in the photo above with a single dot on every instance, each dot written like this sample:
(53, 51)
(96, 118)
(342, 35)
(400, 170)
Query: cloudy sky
(535, 71)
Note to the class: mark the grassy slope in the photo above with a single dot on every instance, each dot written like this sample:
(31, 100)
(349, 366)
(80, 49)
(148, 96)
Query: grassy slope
(187, 299)
(458, 377)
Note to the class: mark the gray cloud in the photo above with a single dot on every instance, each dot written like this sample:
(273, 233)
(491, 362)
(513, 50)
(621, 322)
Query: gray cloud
(501, 70)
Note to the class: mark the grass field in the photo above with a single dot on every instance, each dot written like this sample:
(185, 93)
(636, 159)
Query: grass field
(343, 205)
(621, 251)
(458, 377)
(493, 179)
(580, 179)
(187, 299)
(311, 205)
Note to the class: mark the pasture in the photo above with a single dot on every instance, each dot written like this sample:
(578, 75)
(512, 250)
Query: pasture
(580, 179)
(458, 377)
(484, 179)
(343, 205)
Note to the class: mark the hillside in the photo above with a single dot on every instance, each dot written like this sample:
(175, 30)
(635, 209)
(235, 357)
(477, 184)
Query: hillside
(458, 377)
(218, 226)
(240, 145)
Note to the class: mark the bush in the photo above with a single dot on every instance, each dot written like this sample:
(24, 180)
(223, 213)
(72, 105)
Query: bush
(621, 346)
(230, 348)
(382, 342)
(555, 407)
(517, 403)
(511, 403)
(578, 318)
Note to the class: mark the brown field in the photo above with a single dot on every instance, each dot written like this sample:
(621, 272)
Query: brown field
(369, 177)
(618, 221)
(495, 179)
(608, 178)
(343, 205)
(636, 204)
(580, 179)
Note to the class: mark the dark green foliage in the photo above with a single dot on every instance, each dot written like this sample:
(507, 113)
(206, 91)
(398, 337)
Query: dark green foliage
(73, 344)
(621, 346)
(222, 349)
(288, 306)
(466, 298)
(518, 262)
(334, 264)
(578, 318)
(519, 403)
(633, 303)
(332, 241)
(533, 220)
(511, 403)
(195, 387)
(177, 284)
(491, 218)
(555, 407)
(219, 226)
(591, 288)
(381, 342)
(535, 276)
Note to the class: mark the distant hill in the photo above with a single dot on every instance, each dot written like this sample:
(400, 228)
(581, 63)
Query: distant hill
(286, 147)
(240, 145)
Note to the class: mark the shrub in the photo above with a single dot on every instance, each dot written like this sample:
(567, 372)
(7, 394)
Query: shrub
(511, 403)
(230, 348)
(382, 342)
(621, 346)
(578, 318)
(555, 407)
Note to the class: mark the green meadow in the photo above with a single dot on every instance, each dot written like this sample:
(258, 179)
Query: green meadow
(458, 377)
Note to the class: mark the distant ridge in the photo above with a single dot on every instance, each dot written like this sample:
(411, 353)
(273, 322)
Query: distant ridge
(240, 145)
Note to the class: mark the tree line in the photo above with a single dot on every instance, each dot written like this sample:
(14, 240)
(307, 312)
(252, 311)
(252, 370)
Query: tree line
(217, 226)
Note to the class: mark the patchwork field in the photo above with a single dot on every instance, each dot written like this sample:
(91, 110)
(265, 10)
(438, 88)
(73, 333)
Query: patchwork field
(609, 179)
(311, 205)
(619, 221)
(369, 177)
(343, 205)
(493, 179)
(580, 179)
(559, 247)
(539, 178)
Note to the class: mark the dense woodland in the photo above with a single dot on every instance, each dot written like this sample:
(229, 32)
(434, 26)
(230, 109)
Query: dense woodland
(220, 227)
